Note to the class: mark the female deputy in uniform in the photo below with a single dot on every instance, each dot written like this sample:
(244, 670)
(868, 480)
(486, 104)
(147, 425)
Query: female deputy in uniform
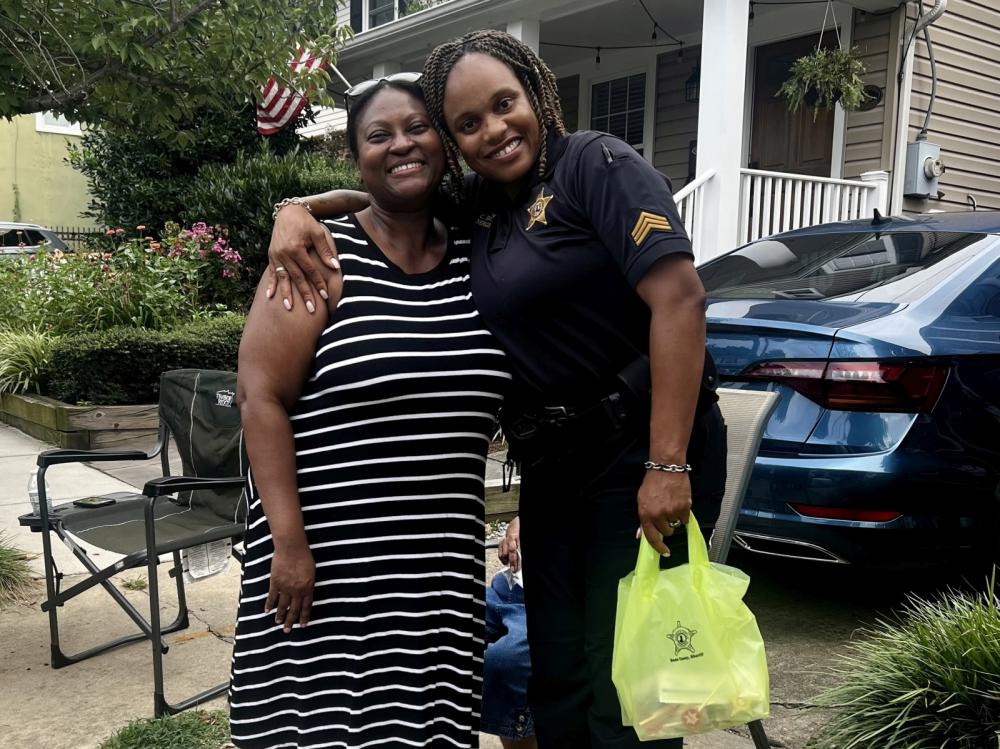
(580, 268)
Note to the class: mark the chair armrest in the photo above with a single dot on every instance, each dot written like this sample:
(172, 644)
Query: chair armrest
(170, 484)
(55, 457)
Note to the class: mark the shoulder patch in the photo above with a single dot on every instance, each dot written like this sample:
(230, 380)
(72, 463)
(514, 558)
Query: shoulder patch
(648, 223)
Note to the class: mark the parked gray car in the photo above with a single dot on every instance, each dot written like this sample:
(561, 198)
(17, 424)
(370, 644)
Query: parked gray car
(18, 239)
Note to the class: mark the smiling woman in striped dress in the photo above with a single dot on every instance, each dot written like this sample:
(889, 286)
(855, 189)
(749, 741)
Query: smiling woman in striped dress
(361, 614)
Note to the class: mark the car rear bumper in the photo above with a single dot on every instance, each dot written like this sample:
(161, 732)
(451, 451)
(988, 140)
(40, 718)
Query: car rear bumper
(943, 515)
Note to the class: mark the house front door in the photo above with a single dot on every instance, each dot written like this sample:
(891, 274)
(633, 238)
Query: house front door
(779, 140)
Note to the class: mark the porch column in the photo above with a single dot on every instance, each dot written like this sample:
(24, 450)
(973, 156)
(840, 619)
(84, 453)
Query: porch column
(528, 30)
(382, 69)
(720, 112)
(880, 194)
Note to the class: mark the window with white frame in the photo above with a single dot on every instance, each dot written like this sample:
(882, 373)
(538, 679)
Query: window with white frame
(50, 122)
(381, 12)
(618, 107)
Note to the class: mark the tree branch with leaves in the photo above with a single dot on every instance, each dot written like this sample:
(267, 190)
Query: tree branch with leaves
(155, 61)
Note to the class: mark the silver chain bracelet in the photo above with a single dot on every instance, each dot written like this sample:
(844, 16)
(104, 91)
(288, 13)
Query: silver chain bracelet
(668, 467)
(290, 201)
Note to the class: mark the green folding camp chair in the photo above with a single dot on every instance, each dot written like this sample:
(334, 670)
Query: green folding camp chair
(207, 504)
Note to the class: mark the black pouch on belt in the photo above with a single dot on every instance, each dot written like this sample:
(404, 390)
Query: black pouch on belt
(638, 384)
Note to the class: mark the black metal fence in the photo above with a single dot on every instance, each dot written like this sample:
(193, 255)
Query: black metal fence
(76, 236)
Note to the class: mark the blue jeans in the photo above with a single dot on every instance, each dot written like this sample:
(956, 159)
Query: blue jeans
(507, 666)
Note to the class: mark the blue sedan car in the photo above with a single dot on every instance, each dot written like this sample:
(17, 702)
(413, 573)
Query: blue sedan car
(883, 340)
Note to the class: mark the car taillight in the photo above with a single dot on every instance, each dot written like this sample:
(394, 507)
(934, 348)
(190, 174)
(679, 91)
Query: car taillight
(886, 386)
(846, 513)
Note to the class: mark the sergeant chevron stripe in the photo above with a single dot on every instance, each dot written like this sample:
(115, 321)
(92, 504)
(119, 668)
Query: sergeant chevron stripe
(649, 222)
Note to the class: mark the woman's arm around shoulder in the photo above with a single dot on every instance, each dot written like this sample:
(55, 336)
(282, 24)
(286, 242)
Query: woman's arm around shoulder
(297, 231)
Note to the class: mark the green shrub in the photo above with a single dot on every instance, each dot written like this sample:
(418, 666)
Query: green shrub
(240, 195)
(125, 281)
(193, 729)
(138, 176)
(25, 359)
(123, 365)
(930, 678)
(15, 575)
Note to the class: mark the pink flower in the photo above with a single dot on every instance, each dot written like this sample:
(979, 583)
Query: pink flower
(227, 273)
(141, 227)
(110, 232)
(155, 246)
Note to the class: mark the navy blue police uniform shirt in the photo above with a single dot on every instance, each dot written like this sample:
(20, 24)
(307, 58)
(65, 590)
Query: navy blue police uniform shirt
(554, 269)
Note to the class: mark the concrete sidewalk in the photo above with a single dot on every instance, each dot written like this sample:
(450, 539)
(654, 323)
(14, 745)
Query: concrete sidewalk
(79, 706)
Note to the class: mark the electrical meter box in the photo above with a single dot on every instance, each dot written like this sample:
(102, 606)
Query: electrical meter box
(923, 167)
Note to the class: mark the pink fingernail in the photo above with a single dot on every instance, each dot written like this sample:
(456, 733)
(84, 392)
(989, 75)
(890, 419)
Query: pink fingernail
(335, 263)
(288, 304)
(270, 293)
(322, 293)
(310, 306)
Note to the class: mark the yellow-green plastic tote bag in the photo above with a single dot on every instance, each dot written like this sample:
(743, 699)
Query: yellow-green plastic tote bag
(688, 656)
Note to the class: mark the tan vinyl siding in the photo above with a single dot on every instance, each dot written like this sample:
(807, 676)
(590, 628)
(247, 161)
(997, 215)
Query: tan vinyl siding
(676, 121)
(966, 117)
(866, 147)
(569, 96)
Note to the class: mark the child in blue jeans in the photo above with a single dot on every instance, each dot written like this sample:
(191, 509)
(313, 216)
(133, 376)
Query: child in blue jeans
(507, 665)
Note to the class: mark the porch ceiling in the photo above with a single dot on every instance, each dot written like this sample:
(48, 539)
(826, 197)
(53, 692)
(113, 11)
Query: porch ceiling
(589, 23)
(618, 23)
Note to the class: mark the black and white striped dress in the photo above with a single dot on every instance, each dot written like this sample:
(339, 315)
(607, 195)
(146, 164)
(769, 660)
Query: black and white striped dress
(391, 435)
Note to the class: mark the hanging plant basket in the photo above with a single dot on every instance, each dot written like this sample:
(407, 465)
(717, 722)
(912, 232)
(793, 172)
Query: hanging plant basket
(824, 77)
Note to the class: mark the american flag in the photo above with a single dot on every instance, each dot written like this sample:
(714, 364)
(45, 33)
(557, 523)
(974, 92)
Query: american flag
(280, 103)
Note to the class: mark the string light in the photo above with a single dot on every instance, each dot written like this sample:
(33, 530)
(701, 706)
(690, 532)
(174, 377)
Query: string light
(657, 25)
(659, 45)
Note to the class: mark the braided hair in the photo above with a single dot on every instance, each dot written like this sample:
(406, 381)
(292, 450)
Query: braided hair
(534, 75)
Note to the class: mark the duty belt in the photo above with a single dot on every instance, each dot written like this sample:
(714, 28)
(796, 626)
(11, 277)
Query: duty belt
(529, 431)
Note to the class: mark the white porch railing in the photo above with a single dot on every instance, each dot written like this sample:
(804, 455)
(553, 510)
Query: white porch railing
(689, 205)
(773, 202)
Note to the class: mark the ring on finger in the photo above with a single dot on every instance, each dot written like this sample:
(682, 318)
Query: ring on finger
(279, 269)
(674, 523)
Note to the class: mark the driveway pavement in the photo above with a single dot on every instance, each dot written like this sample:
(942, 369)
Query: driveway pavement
(806, 615)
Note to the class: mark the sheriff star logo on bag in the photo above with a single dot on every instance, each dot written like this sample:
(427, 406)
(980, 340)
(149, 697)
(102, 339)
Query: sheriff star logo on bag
(536, 211)
(646, 224)
(682, 638)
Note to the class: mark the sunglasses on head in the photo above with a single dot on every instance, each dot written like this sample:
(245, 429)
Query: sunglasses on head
(360, 89)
